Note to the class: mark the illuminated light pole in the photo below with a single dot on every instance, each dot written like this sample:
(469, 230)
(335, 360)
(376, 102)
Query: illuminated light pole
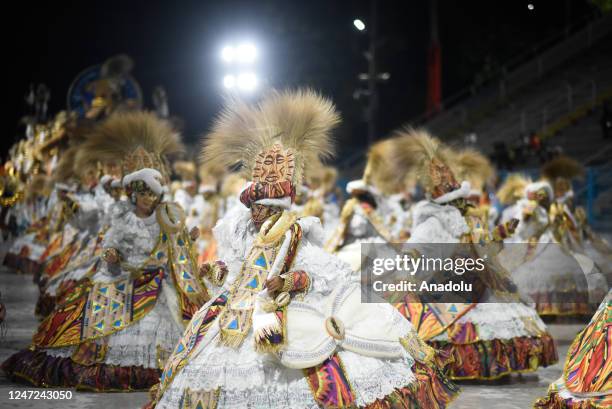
(359, 25)
(239, 59)
(372, 76)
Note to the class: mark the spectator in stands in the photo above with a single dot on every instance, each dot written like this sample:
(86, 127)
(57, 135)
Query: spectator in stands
(606, 121)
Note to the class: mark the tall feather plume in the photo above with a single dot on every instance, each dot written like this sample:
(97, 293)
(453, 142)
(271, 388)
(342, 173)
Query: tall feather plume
(185, 169)
(301, 120)
(330, 175)
(232, 184)
(562, 167)
(512, 189)
(122, 133)
(414, 149)
(380, 171)
(473, 166)
(321, 176)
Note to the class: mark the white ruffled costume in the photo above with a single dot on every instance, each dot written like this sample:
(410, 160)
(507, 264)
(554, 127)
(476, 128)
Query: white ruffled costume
(548, 267)
(437, 223)
(360, 230)
(140, 343)
(247, 378)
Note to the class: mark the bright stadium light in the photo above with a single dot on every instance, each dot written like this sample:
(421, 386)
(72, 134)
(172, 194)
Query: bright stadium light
(228, 54)
(247, 81)
(359, 25)
(530, 6)
(246, 53)
(229, 81)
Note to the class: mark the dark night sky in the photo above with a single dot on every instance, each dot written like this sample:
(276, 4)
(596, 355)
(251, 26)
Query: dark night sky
(307, 43)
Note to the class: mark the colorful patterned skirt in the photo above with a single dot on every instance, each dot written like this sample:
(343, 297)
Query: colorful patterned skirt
(587, 375)
(105, 337)
(489, 341)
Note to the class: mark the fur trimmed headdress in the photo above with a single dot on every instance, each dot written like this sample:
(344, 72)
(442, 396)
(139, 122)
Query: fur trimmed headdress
(432, 164)
(513, 189)
(232, 185)
(299, 120)
(273, 140)
(473, 166)
(560, 172)
(562, 167)
(379, 175)
(139, 140)
(185, 169)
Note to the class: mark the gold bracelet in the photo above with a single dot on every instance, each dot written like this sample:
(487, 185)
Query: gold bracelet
(289, 283)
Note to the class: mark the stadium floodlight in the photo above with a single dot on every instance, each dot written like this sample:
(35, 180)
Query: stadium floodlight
(359, 25)
(228, 53)
(246, 53)
(247, 81)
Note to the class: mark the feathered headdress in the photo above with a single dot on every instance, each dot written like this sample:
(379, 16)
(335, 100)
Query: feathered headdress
(512, 189)
(330, 175)
(232, 185)
(560, 172)
(320, 176)
(211, 174)
(185, 169)
(562, 167)
(379, 175)
(138, 139)
(431, 164)
(473, 166)
(379, 170)
(299, 121)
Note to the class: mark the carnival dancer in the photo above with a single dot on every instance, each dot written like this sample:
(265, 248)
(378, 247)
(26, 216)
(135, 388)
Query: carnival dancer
(509, 193)
(319, 197)
(114, 332)
(187, 191)
(262, 341)
(365, 216)
(79, 222)
(544, 269)
(22, 213)
(85, 259)
(43, 239)
(233, 183)
(402, 202)
(207, 209)
(586, 381)
(472, 166)
(570, 227)
(492, 333)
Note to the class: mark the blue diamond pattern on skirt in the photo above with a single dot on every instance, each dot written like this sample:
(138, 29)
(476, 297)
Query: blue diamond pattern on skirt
(253, 283)
(261, 261)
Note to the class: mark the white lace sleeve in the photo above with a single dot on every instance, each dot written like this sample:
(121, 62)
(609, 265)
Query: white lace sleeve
(325, 270)
(114, 237)
(429, 231)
